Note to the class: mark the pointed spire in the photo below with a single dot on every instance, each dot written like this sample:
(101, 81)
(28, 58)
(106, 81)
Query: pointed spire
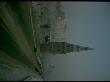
(62, 48)
(77, 48)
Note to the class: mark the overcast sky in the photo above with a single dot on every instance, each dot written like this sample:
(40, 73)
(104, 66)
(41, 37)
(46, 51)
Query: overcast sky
(88, 24)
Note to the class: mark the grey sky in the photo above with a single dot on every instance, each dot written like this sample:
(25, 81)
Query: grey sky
(88, 24)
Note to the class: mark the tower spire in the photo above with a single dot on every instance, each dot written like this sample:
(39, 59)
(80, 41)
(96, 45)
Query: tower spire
(62, 48)
(77, 48)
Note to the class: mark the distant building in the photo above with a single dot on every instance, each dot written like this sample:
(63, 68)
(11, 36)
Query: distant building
(59, 30)
(57, 45)
(62, 48)
(58, 34)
